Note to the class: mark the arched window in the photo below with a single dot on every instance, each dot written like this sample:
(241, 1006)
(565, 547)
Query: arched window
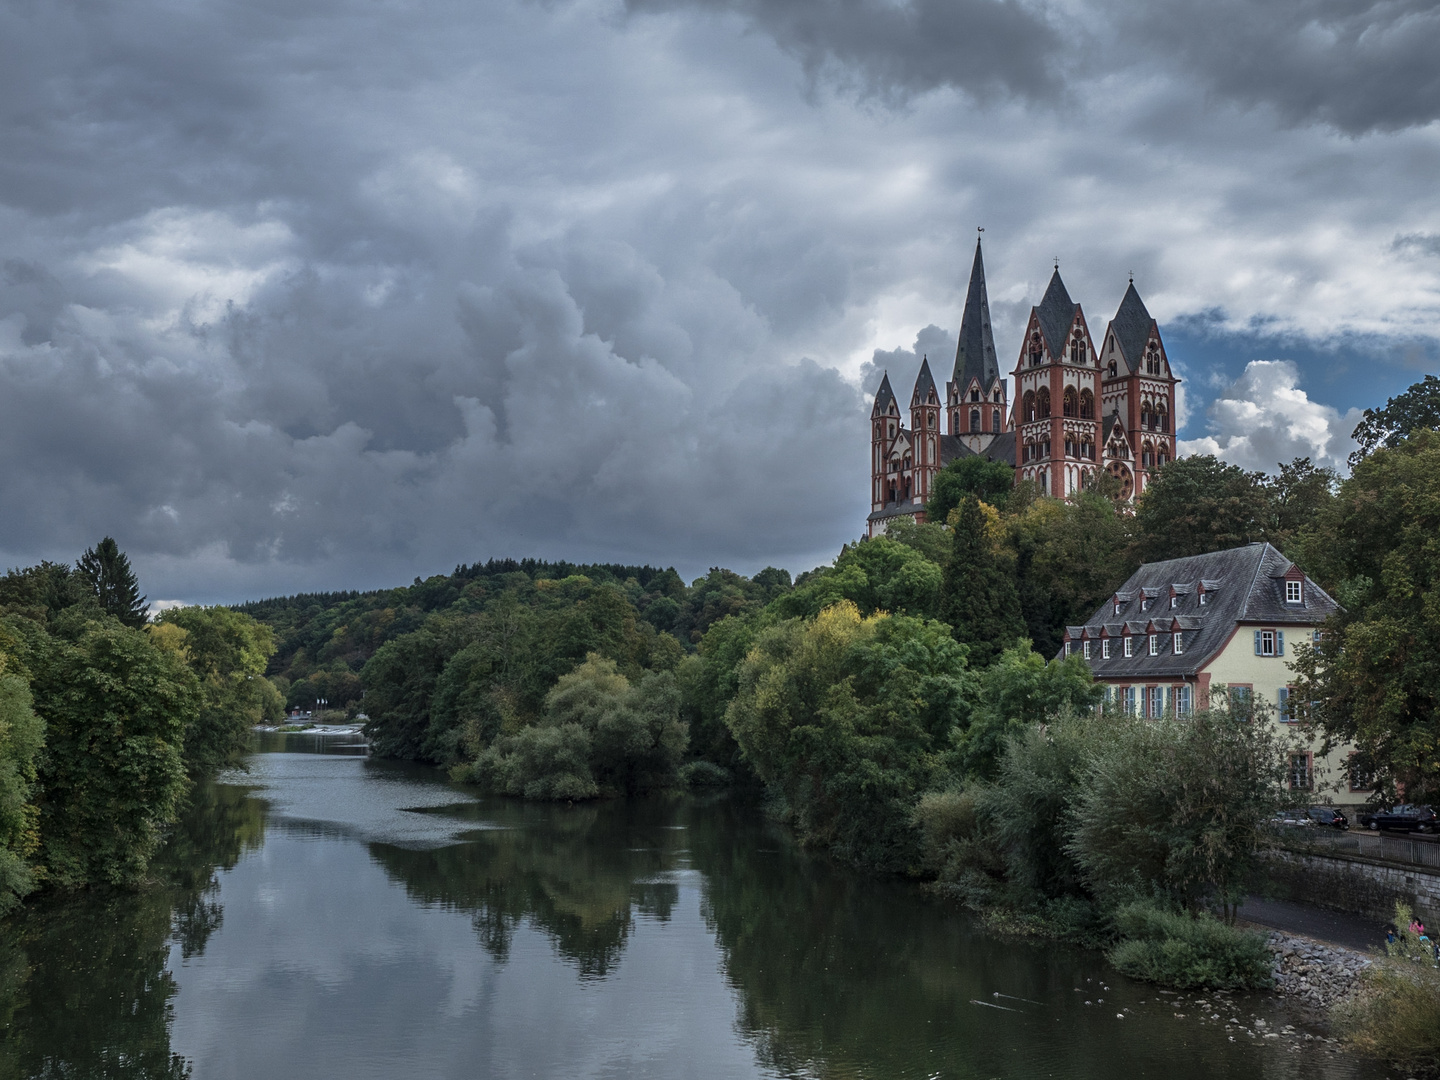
(1164, 416)
(1112, 368)
(974, 419)
(1027, 409)
(1070, 405)
(1077, 348)
(1152, 360)
(995, 424)
(1087, 405)
(1042, 403)
(1147, 454)
(1037, 351)
(995, 394)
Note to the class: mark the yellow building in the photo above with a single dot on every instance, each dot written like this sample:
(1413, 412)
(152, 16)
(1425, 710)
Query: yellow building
(1216, 629)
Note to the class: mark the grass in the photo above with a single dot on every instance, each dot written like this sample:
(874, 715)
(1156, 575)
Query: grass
(1183, 951)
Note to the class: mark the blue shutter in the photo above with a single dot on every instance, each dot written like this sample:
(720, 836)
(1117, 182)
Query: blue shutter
(1283, 697)
(1279, 642)
(1257, 642)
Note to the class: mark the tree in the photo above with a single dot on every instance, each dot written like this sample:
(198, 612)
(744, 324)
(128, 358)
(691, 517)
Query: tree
(1418, 408)
(43, 590)
(1374, 677)
(228, 651)
(875, 575)
(848, 721)
(22, 734)
(990, 481)
(1299, 495)
(978, 596)
(106, 572)
(116, 706)
(1196, 505)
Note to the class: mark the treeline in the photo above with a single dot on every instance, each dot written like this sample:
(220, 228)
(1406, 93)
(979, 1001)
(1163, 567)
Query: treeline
(106, 718)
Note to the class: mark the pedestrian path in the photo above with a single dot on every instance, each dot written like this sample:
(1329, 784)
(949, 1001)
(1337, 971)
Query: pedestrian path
(1337, 928)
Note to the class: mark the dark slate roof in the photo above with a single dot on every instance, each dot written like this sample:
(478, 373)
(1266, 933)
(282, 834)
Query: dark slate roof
(924, 385)
(1131, 326)
(884, 397)
(897, 509)
(975, 354)
(1056, 313)
(1001, 448)
(1243, 585)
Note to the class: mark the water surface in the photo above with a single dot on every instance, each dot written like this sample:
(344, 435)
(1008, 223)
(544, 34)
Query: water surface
(325, 915)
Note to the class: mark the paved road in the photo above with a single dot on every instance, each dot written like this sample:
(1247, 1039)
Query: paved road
(1352, 931)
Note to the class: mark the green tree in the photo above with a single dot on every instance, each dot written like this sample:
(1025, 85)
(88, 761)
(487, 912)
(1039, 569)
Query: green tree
(1299, 495)
(977, 595)
(116, 706)
(1417, 409)
(228, 651)
(22, 734)
(848, 721)
(1199, 504)
(929, 538)
(989, 481)
(1374, 677)
(42, 591)
(875, 575)
(106, 572)
(1018, 691)
(708, 682)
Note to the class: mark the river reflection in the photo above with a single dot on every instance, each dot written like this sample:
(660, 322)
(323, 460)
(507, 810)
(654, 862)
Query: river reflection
(331, 916)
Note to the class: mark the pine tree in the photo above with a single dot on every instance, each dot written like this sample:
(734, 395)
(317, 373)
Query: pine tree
(978, 597)
(106, 570)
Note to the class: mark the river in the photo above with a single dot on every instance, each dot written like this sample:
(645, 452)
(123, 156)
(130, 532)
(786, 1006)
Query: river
(326, 915)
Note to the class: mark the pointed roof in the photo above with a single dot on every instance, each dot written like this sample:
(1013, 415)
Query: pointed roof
(884, 397)
(975, 354)
(1131, 326)
(924, 385)
(1056, 312)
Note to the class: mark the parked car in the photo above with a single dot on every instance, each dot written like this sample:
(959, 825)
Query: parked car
(1404, 818)
(1328, 816)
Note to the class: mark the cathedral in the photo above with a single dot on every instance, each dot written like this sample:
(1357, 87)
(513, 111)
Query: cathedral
(1078, 406)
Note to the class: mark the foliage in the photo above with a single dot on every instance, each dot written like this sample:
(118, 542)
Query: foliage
(847, 720)
(1018, 691)
(227, 650)
(1374, 677)
(878, 574)
(1196, 505)
(600, 734)
(1173, 807)
(929, 538)
(978, 596)
(1417, 409)
(44, 590)
(116, 706)
(1176, 949)
(708, 681)
(22, 734)
(106, 573)
(1396, 1014)
(992, 482)
(1299, 495)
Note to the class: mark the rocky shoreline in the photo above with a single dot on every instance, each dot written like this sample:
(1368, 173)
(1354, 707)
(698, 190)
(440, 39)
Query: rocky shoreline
(1315, 973)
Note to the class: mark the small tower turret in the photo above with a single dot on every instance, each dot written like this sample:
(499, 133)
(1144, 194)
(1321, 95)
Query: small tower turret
(925, 428)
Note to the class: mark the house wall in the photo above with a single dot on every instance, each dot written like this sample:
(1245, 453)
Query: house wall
(1237, 665)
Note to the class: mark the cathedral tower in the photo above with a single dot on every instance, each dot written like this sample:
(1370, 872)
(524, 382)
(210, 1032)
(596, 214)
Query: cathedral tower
(975, 395)
(1138, 396)
(925, 426)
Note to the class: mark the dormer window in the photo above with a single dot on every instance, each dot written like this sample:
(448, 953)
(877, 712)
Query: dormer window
(1129, 647)
(1144, 603)
(1117, 606)
(1294, 592)
(1085, 648)
(1154, 644)
(1202, 599)
(1174, 602)
(1105, 648)
(1177, 644)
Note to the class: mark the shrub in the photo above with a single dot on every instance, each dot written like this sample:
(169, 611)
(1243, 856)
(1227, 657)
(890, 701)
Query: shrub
(705, 774)
(1175, 949)
(957, 845)
(1396, 1015)
(540, 763)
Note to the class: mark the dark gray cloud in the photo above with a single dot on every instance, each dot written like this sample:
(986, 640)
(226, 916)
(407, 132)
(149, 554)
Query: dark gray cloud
(325, 293)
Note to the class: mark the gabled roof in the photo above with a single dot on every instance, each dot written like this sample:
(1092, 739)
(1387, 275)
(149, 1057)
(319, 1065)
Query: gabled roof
(884, 397)
(975, 353)
(1000, 448)
(1244, 585)
(924, 385)
(1131, 326)
(1056, 313)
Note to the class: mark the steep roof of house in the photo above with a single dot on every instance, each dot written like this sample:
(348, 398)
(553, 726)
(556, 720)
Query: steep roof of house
(1001, 448)
(1131, 327)
(924, 385)
(1241, 586)
(975, 353)
(1056, 311)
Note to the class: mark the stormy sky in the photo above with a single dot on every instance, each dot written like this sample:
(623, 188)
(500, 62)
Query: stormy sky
(307, 294)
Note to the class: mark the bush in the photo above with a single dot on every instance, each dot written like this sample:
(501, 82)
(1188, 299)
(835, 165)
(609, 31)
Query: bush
(1396, 1015)
(705, 774)
(540, 763)
(957, 846)
(1175, 949)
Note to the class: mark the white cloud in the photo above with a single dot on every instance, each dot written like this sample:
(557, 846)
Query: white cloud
(1264, 419)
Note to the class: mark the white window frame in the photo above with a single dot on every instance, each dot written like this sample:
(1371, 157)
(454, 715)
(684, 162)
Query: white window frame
(1182, 700)
(1156, 707)
(1105, 648)
(1294, 592)
(1085, 649)
(1202, 598)
(1129, 646)
(1174, 602)
(1267, 642)
(1177, 645)
(1154, 644)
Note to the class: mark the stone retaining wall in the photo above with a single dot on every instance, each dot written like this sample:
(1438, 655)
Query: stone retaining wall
(1356, 885)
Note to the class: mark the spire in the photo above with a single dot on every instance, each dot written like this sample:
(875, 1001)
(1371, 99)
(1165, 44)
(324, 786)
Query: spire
(884, 397)
(1131, 326)
(1056, 312)
(924, 385)
(975, 354)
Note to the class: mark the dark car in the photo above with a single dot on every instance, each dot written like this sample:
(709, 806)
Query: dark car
(1328, 816)
(1404, 818)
